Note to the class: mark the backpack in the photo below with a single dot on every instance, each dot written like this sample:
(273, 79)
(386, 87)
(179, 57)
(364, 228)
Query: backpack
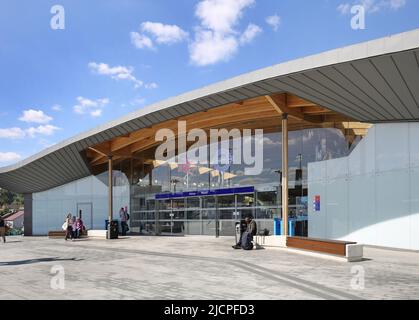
(127, 214)
(246, 241)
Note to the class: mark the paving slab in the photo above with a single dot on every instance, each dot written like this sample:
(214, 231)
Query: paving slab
(195, 267)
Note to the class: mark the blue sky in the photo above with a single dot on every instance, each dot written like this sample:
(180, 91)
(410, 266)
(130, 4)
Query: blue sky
(116, 56)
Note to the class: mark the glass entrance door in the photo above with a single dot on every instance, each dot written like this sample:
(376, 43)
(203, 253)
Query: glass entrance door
(171, 217)
(85, 212)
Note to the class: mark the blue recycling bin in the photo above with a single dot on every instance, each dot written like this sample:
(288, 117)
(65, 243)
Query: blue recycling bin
(291, 227)
(278, 224)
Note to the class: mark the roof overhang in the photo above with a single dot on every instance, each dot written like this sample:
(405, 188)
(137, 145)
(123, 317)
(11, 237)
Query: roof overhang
(375, 81)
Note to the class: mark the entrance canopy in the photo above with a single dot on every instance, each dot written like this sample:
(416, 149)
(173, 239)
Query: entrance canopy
(372, 82)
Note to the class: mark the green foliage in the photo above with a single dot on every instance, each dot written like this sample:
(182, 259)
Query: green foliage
(8, 198)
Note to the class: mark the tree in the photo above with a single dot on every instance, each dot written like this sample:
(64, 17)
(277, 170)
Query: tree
(7, 198)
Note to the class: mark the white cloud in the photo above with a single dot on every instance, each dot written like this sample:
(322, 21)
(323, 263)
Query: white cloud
(12, 133)
(161, 33)
(221, 16)
(9, 156)
(92, 107)
(116, 73)
(152, 85)
(141, 41)
(216, 39)
(45, 130)
(274, 21)
(372, 6)
(164, 33)
(35, 116)
(210, 47)
(396, 4)
(344, 8)
(57, 108)
(251, 32)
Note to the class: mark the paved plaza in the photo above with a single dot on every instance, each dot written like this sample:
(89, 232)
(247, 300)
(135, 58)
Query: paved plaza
(195, 267)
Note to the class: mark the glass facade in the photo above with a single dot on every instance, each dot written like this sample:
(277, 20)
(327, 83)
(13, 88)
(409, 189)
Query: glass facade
(139, 180)
(217, 214)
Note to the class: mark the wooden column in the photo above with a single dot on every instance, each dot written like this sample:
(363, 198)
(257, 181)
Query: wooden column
(110, 190)
(285, 173)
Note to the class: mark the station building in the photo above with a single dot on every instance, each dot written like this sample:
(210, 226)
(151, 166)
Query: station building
(340, 155)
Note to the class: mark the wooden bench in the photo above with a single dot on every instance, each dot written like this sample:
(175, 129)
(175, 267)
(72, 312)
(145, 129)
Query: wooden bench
(334, 247)
(61, 234)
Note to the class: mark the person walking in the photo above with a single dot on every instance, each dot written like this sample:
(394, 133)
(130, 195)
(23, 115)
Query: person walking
(123, 217)
(68, 227)
(3, 229)
(127, 217)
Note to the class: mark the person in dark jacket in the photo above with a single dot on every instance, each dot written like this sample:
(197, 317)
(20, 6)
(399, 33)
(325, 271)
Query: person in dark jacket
(3, 229)
(251, 229)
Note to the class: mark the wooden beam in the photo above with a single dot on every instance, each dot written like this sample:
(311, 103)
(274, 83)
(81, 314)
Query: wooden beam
(102, 149)
(279, 102)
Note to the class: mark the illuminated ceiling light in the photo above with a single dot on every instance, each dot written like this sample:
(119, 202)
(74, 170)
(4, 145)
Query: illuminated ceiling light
(228, 176)
(158, 163)
(173, 165)
(203, 170)
(215, 173)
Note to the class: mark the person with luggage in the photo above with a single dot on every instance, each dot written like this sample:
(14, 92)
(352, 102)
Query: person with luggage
(246, 237)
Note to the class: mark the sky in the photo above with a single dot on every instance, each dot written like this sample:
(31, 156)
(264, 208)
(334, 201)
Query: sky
(68, 69)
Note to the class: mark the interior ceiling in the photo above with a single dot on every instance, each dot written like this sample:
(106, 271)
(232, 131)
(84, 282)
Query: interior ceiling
(263, 112)
(371, 84)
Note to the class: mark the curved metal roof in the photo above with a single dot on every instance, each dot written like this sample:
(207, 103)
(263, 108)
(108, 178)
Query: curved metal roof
(375, 81)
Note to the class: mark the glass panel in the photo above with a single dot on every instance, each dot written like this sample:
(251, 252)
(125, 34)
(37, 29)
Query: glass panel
(227, 228)
(193, 227)
(208, 202)
(208, 228)
(267, 213)
(266, 199)
(175, 227)
(226, 202)
(245, 200)
(208, 214)
(165, 205)
(149, 227)
(265, 224)
(193, 203)
(178, 204)
(166, 215)
(193, 214)
(226, 214)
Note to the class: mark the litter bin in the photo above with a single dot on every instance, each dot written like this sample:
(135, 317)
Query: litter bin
(113, 229)
(291, 227)
(277, 227)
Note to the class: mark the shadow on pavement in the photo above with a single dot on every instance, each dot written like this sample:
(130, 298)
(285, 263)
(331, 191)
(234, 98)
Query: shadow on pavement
(32, 261)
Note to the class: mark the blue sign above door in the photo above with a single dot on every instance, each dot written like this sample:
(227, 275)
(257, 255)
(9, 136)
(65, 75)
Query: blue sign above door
(203, 193)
